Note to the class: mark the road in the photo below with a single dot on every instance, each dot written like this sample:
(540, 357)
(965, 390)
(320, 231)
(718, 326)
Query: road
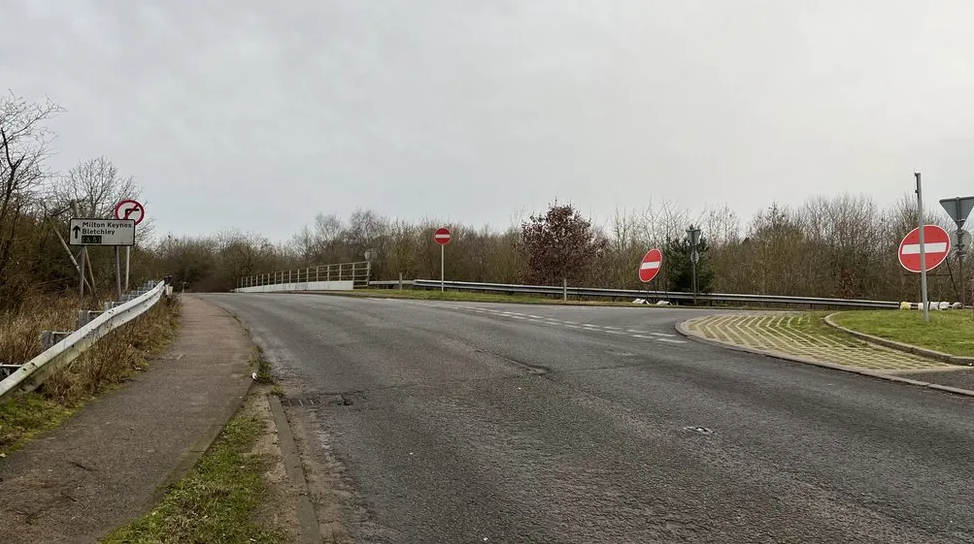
(456, 422)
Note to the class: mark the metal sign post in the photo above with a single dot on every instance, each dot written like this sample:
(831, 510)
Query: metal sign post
(81, 268)
(118, 275)
(129, 209)
(959, 208)
(923, 254)
(128, 260)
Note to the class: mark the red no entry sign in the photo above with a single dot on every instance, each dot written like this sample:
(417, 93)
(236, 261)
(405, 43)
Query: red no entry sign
(936, 243)
(442, 236)
(650, 265)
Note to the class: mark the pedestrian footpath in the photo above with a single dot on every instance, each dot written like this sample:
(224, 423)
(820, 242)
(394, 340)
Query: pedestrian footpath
(110, 463)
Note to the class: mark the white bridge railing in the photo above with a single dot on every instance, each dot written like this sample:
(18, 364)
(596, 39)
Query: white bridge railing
(327, 274)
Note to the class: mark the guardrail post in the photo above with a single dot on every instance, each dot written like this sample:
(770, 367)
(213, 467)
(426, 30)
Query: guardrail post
(400, 281)
(564, 289)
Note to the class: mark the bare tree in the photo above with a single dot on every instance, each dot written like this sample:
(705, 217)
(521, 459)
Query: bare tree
(96, 186)
(24, 141)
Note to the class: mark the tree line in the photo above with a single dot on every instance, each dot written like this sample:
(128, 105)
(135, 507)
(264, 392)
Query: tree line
(840, 246)
(830, 246)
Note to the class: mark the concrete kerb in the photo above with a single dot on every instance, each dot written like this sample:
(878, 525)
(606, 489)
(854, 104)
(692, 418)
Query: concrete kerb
(899, 346)
(295, 473)
(686, 332)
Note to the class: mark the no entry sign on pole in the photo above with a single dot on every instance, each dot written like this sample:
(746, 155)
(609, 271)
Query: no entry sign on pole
(650, 265)
(936, 244)
(442, 236)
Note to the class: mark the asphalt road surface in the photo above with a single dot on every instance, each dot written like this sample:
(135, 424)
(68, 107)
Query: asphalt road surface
(461, 422)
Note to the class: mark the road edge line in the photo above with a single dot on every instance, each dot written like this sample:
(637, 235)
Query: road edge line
(683, 330)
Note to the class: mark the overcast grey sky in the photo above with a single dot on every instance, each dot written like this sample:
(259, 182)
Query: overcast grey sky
(258, 114)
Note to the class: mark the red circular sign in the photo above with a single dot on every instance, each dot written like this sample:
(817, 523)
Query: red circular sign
(936, 244)
(442, 236)
(650, 265)
(130, 209)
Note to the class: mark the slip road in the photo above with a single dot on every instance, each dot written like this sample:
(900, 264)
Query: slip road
(454, 422)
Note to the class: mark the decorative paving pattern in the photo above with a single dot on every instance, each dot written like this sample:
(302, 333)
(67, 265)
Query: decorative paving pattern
(804, 336)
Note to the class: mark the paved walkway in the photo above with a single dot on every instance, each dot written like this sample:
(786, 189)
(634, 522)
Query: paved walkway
(797, 336)
(103, 467)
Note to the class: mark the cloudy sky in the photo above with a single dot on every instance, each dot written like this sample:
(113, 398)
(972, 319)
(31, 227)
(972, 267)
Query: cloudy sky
(258, 115)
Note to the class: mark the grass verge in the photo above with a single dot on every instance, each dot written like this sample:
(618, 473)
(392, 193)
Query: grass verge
(216, 502)
(111, 361)
(948, 332)
(261, 366)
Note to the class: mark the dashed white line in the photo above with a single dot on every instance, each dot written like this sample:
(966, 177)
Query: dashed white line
(637, 332)
(535, 316)
(663, 334)
(612, 328)
(572, 326)
(671, 341)
(644, 337)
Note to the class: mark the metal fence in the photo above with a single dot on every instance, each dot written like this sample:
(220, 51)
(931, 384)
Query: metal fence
(671, 296)
(30, 375)
(359, 273)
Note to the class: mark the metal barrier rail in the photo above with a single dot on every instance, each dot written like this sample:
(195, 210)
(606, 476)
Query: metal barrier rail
(32, 374)
(659, 295)
(358, 272)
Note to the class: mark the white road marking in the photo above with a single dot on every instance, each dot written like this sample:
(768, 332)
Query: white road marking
(516, 317)
(644, 337)
(535, 316)
(615, 332)
(637, 332)
(589, 325)
(672, 341)
(663, 334)
(572, 326)
(612, 328)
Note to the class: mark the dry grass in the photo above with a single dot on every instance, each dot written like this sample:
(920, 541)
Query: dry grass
(116, 356)
(20, 328)
(111, 361)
